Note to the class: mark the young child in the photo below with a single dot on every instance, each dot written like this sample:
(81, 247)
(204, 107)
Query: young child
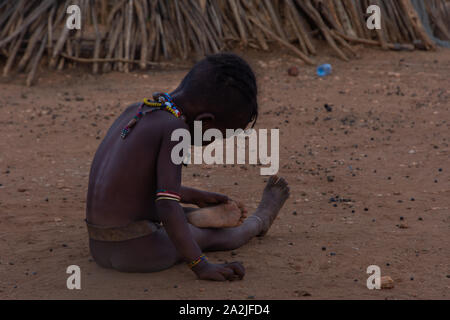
(134, 217)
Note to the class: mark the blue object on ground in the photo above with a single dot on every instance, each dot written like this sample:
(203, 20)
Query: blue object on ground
(324, 70)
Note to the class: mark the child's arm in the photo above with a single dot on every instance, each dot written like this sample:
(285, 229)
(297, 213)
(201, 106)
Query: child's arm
(174, 220)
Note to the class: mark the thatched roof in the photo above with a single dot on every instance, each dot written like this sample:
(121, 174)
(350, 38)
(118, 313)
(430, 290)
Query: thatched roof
(125, 34)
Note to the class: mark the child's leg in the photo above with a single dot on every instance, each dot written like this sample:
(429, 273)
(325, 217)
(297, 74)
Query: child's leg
(225, 215)
(156, 251)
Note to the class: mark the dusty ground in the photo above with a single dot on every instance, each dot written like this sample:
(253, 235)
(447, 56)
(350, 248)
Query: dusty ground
(384, 148)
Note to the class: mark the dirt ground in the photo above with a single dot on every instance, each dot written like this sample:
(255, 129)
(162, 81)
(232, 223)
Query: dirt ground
(369, 182)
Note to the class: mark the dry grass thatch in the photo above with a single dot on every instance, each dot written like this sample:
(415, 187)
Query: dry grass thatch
(124, 34)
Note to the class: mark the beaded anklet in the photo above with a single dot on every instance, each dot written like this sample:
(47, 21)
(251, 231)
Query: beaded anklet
(259, 219)
(195, 262)
(165, 102)
(167, 195)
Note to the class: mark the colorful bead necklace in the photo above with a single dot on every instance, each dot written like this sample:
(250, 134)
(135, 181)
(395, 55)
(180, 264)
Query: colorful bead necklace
(165, 102)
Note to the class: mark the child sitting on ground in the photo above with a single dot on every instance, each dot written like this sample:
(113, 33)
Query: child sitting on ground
(134, 217)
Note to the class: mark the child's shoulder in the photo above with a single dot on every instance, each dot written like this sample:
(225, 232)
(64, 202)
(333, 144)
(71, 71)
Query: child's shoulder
(168, 121)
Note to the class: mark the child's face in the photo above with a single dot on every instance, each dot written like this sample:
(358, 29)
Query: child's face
(234, 123)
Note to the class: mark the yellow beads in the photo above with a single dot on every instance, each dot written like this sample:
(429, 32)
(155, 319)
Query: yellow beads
(152, 104)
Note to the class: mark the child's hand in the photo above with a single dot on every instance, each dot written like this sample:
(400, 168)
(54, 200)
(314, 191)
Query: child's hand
(219, 272)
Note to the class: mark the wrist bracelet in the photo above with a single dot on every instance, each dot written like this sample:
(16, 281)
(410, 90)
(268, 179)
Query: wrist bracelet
(167, 195)
(195, 262)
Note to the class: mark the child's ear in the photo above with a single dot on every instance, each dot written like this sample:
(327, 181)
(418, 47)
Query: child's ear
(206, 118)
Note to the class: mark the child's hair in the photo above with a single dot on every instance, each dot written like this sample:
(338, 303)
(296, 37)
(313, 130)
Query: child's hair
(226, 82)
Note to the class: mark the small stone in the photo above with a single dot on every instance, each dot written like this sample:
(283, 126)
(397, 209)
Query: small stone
(328, 107)
(330, 178)
(251, 297)
(386, 282)
(293, 71)
(394, 74)
(302, 293)
(294, 213)
(324, 248)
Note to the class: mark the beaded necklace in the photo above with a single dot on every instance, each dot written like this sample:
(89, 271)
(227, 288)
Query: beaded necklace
(164, 102)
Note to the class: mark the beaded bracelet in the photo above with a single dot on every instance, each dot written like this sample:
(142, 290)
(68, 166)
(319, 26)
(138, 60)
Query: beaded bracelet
(167, 195)
(195, 262)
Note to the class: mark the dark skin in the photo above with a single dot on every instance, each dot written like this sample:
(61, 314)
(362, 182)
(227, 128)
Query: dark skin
(125, 175)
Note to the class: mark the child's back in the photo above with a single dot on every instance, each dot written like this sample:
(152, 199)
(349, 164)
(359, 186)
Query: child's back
(122, 182)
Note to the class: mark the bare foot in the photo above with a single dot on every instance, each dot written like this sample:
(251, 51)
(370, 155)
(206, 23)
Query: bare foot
(274, 196)
(226, 215)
